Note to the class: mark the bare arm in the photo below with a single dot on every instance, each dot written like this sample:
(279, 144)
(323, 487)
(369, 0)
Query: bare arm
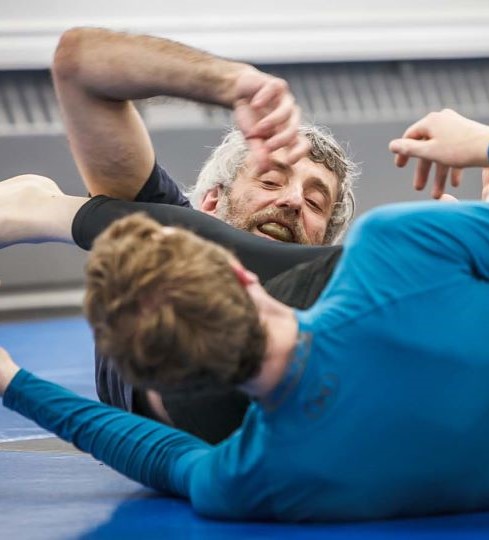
(98, 72)
(8, 370)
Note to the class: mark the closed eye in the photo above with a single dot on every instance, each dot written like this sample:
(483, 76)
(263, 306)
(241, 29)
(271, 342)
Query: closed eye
(314, 205)
(269, 184)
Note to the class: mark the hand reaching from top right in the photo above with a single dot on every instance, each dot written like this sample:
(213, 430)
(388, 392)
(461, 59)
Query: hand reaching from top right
(447, 139)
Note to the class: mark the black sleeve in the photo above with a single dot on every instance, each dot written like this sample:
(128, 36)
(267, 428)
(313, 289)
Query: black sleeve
(161, 188)
(267, 258)
(214, 414)
(301, 286)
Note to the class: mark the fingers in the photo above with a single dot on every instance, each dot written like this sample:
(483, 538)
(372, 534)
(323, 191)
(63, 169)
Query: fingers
(285, 134)
(440, 181)
(299, 150)
(246, 118)
(260, 155)
(273, 106)
(410, 148)
(266, 113)
(285, 112)
(485, 184)
(456, 176)
(270, 120)
(447, 139)
(421, 174)
(280, 127)
(422, 149)
(269, 92)
(401, 160)
(448, 198)
(402, 146)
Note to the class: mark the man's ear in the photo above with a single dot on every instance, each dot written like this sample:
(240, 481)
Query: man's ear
(210, 201)
(245, 277)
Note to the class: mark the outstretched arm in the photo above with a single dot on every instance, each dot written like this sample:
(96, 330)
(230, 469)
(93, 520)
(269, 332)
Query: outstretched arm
(447, 139)
(265, 257)
(98, 72)
(34, 210)
(148, 452)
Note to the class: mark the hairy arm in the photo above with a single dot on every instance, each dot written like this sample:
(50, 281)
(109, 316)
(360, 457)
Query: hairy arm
(97, 74)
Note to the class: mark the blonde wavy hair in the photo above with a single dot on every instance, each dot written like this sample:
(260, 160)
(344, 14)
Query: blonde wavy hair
(168, 307)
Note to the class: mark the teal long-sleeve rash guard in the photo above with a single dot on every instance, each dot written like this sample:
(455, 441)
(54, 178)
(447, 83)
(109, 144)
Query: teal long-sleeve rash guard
(383, 411)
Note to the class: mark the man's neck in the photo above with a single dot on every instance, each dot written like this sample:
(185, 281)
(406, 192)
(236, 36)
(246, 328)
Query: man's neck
(282, 331)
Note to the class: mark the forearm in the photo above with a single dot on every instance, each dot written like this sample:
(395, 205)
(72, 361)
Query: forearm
(148, 452)
(143, 66)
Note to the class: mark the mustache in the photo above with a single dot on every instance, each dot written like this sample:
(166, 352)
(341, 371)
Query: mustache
(283, 216)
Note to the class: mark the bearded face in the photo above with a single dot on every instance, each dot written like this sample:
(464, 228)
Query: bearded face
(276, 223)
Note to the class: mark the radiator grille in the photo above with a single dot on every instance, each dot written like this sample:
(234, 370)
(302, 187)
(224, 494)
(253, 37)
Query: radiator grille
(327, 93)
(28, 103)
(388, 91)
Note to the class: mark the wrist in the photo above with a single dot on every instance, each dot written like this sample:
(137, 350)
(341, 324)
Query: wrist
(236, 82)
(479, 144)
(8, 370)
(481, 152)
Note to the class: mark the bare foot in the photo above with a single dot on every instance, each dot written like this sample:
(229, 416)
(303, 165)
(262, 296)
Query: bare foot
(33, 209)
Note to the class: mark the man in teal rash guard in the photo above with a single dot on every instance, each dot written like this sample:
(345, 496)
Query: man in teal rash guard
(371, 404)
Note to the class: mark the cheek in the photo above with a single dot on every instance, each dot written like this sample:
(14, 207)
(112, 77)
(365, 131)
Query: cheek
(315, 226)
(256, 199)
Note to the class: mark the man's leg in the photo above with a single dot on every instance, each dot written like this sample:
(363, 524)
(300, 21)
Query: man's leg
(34, 210)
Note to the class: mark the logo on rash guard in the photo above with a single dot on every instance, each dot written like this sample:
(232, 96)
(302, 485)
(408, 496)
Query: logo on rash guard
(322, 397)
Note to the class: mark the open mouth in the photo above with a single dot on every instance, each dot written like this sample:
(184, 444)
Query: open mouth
(277, 231)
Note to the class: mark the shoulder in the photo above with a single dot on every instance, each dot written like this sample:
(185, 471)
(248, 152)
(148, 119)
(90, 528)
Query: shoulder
(394, 222)
(161, 188)
(300, 286)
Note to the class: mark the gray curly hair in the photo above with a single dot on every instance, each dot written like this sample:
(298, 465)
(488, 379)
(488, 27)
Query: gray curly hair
(223, 165)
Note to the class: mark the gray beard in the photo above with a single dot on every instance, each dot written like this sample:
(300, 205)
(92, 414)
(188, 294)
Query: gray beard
(231, 213)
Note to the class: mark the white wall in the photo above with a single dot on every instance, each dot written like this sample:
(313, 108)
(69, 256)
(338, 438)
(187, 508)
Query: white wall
(259, 30)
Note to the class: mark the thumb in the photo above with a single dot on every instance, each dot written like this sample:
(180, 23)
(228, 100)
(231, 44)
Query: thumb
(448, 198)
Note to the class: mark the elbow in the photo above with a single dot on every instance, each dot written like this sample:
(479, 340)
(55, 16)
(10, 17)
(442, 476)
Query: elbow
(72, 47)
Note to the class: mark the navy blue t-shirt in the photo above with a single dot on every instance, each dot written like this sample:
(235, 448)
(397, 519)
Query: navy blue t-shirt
(159, 188)
(210, 412)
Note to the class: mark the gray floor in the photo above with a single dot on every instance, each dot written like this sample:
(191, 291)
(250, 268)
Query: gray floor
(49, 444)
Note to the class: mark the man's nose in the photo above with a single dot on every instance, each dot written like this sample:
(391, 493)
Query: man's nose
(290, 196)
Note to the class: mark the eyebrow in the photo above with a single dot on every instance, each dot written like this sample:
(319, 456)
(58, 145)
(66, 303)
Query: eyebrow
(317, 183)
(313, 181)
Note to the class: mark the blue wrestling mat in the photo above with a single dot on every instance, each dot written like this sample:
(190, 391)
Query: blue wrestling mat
(60, 350)
(51, 495)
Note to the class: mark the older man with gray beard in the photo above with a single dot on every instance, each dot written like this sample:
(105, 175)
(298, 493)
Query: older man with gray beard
(270, 177)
